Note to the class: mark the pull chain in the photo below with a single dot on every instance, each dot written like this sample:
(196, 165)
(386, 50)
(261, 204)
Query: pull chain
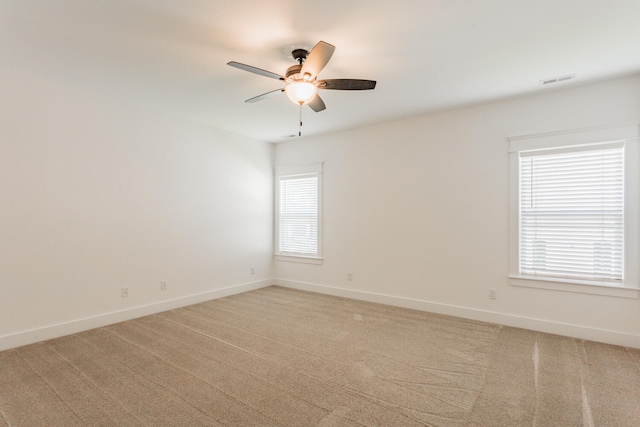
(300, 121)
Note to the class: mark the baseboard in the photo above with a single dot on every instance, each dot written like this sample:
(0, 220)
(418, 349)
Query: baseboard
(564, 329)
(79, 325)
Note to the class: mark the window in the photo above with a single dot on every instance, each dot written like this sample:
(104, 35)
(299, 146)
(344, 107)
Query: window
(574, 209)
(572, 213)
(298, 212)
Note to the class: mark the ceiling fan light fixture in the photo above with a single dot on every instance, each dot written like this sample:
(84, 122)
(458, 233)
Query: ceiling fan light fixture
(301, 82)
(301, 92)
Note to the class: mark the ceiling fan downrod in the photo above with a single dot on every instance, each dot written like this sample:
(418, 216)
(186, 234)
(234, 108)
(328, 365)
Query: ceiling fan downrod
(299, 55)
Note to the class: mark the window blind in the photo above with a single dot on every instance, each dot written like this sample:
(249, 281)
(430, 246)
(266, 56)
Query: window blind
(298, 222)
(572, 213)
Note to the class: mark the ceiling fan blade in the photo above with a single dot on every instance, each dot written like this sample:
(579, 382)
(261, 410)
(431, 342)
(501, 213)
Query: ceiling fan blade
(264, 96)
(346, 84)
(317, 59)
(255, 70)
(317, 104)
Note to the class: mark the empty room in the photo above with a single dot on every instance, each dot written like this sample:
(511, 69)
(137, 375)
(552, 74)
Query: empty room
(336, 213)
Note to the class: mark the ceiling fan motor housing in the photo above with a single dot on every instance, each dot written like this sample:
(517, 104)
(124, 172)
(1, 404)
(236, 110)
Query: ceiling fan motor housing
(293, 70)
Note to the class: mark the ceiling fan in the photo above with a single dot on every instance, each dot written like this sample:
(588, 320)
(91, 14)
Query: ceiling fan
(301, 79)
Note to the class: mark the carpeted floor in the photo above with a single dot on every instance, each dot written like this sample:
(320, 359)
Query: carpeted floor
(281, 357)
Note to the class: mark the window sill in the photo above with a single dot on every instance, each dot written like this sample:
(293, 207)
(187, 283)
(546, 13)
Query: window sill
(575, 286)
(304, 260)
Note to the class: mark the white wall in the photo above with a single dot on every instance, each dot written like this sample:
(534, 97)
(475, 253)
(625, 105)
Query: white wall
(418, 211)
(97, 195)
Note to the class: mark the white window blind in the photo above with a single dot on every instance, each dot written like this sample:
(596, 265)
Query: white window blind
(298, 215)
(572, 213)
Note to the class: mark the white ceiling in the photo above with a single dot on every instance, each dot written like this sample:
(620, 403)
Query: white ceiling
(426, 55)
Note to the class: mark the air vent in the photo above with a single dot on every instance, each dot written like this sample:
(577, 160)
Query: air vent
(557, 79)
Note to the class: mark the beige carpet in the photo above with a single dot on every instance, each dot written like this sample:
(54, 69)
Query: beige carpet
(281, 357)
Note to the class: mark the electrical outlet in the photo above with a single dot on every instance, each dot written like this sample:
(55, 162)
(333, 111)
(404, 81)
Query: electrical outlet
(493, 294)
(163, 285)
(124, 292)
(252, 270)
(350, 276)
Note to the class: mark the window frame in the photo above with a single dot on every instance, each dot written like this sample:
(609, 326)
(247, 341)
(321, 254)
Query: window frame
(290, 171)
(596, 137)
